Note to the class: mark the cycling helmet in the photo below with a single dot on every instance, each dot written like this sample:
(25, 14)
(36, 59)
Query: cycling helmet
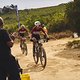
(1, 22)
(37, 23)
(22, 26)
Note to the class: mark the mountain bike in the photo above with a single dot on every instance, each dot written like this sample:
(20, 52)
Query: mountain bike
(39, 53)
(24, 46)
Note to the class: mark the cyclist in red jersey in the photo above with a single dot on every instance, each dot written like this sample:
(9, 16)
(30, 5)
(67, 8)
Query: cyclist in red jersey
(35, 32)
(22, 32)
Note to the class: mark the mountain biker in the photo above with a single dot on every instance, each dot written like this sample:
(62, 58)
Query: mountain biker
(22, 32)
(8, 64)
(35, 32)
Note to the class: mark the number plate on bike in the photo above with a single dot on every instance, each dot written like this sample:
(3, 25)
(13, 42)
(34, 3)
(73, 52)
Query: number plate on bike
(23, 39)
(41, 41)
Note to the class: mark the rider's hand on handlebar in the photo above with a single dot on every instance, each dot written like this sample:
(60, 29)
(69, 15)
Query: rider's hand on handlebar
(47, 38)
(12, 37)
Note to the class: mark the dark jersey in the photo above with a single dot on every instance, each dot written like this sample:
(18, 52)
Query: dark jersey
(4, 38)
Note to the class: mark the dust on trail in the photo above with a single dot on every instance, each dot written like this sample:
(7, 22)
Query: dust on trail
(62, 63)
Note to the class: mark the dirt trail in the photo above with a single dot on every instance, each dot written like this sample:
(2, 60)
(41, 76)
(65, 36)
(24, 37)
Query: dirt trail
(62, 64)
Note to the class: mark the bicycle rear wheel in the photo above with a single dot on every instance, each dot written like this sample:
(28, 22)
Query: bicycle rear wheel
(36, 56)
(24, 49)
(43, 58)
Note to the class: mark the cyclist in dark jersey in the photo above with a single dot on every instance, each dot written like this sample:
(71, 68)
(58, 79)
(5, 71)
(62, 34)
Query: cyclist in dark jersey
(8, 64)
(35, 32)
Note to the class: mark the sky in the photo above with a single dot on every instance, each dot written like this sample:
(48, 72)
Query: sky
(28, 4)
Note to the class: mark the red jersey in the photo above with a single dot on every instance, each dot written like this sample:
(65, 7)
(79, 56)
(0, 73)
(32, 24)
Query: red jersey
(36, 30)
(22, 30)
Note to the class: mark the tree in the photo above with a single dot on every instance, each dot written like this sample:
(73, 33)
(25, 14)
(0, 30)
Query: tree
(73, 15)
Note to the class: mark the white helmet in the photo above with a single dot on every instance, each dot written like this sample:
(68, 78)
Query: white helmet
(37, 23)
(22, 26)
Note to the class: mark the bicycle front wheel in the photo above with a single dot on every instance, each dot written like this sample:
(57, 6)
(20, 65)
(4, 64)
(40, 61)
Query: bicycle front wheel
(43, 58)
(24, 49)
(36, 56)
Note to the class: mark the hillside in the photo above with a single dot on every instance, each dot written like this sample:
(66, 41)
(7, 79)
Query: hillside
(50, 16)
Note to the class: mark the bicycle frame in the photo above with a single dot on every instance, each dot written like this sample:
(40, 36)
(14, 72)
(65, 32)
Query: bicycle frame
(40, 53)
(23, 45)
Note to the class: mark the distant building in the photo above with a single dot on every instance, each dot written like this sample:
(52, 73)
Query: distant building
(8, 8)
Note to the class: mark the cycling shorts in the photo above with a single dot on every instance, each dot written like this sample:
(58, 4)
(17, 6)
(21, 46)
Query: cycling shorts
(37, 36)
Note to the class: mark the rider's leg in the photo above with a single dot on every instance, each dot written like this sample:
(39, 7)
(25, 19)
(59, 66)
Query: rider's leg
(21, 44)
(26, 50)
(37, 38)
(33, 48)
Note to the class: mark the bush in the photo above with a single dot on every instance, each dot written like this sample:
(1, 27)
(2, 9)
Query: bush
(73, 44)
(61, 35)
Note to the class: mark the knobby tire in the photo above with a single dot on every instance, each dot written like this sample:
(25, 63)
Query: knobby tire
(43, 58)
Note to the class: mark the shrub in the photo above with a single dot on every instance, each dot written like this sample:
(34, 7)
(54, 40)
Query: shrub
(73, 44)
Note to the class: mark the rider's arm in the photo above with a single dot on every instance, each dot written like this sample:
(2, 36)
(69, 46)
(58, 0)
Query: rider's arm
(30, 34)
(32, 30)
(18, 32)
(27, 31)
(43, 31)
